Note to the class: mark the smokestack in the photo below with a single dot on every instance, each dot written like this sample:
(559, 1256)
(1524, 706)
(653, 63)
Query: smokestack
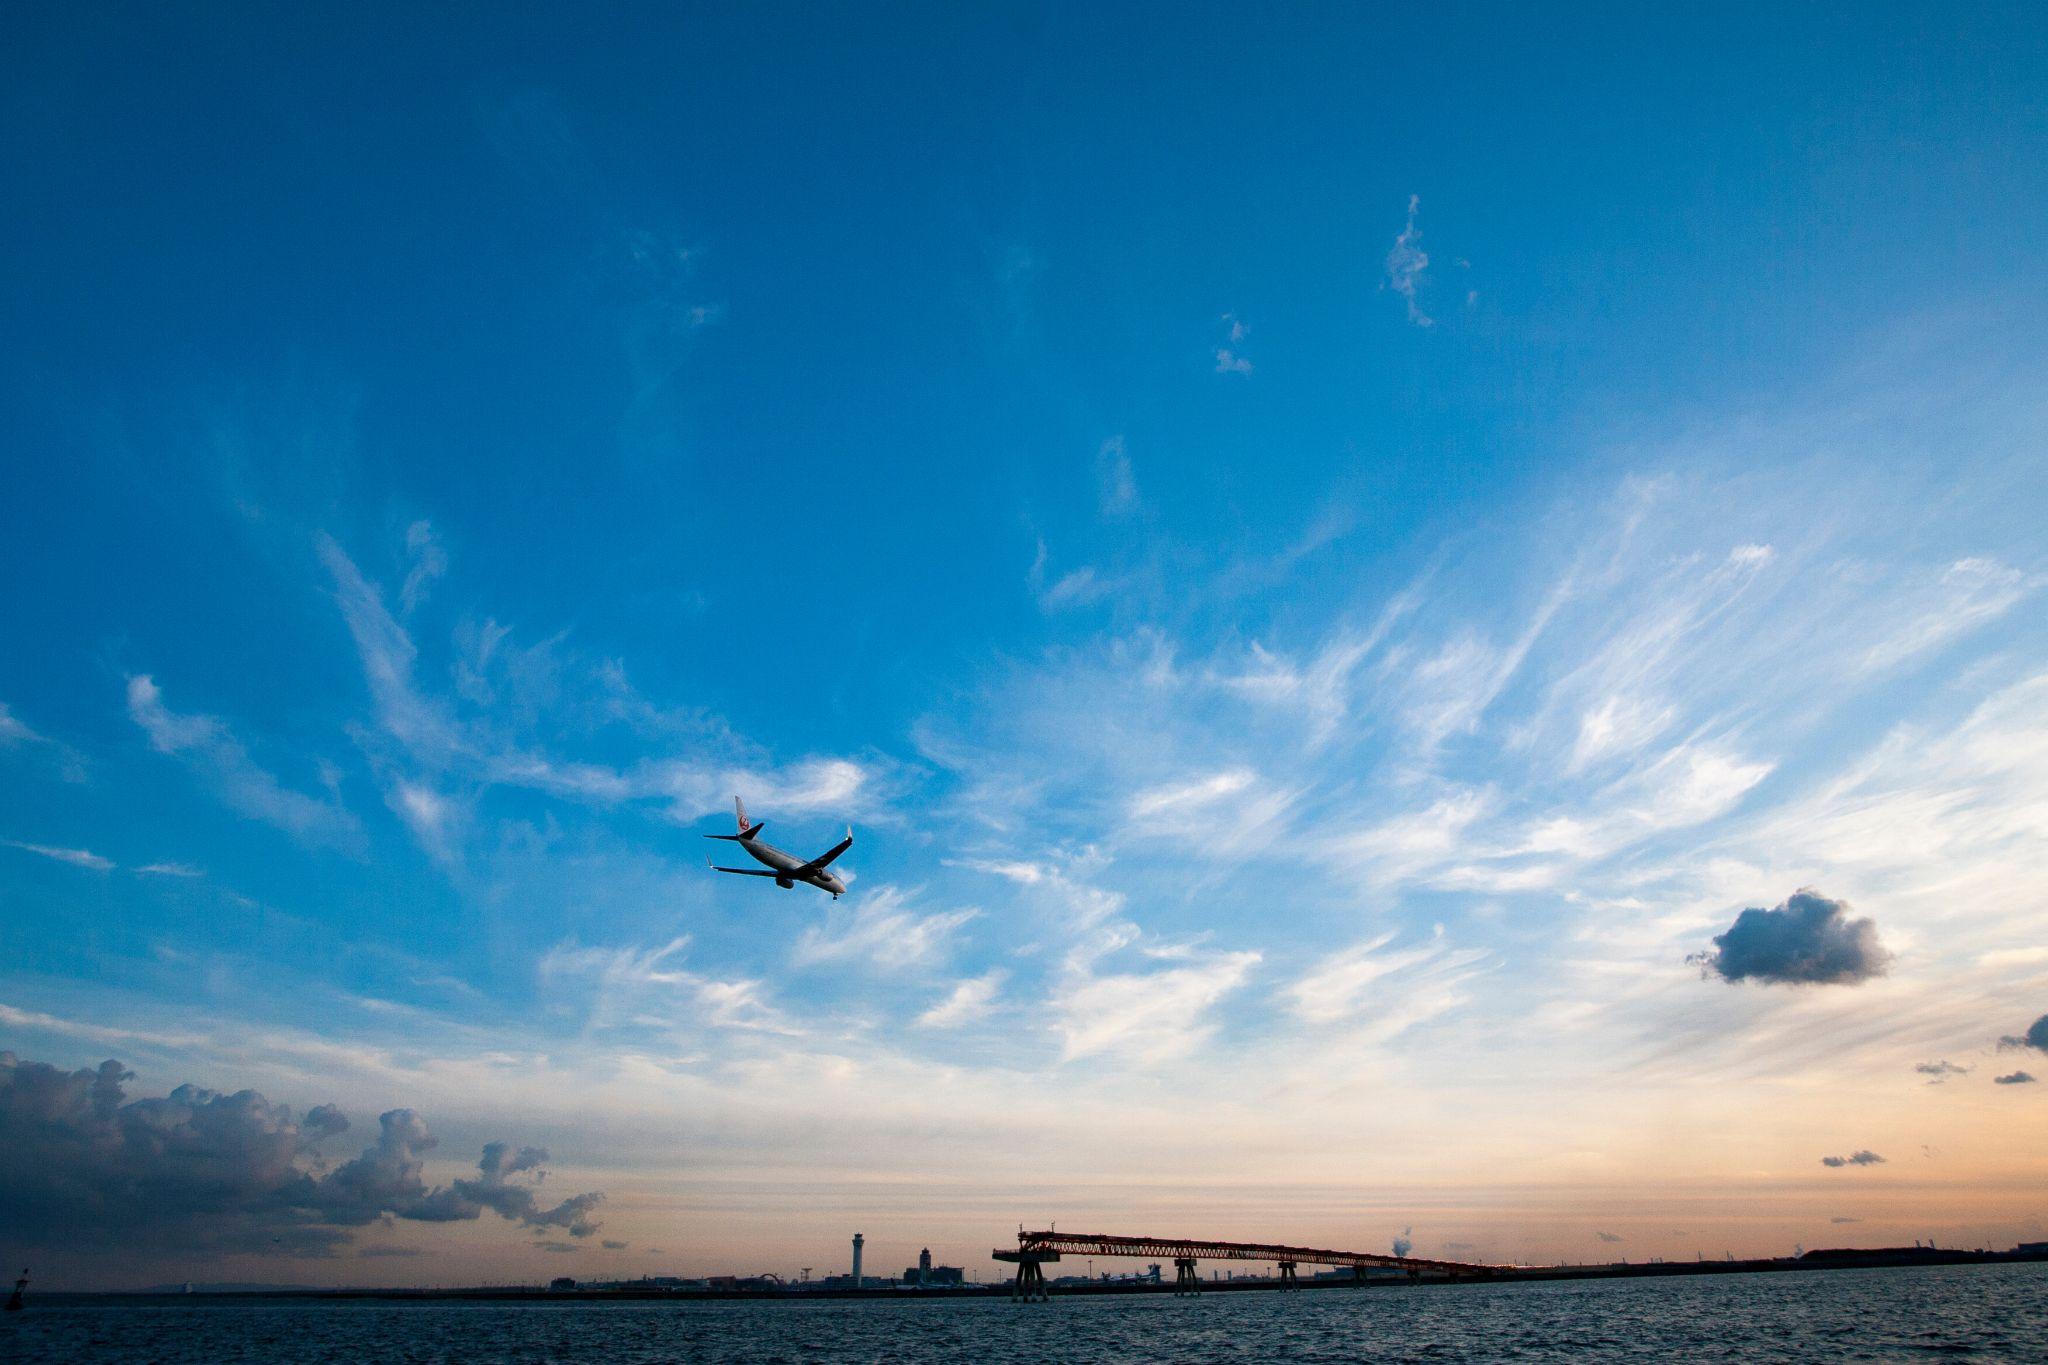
(857, 1241)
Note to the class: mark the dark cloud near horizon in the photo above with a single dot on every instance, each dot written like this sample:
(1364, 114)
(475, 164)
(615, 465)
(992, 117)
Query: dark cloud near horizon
(1402, 1244)
(562, 1248)
(1862, 1158)
(2035, 1037)
(1609, 1237)
(609, 1245)
(2013, 1078)
(209, 1173)
(1845, 1220)
(1809, 940)
(493, 1189)
(1941, 1070)
(389, 1251)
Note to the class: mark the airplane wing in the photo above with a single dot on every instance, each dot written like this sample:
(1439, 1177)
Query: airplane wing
(823, 858)
(747, 871)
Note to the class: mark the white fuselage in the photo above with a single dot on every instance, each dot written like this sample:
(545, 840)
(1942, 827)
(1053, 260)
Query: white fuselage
(771, 856)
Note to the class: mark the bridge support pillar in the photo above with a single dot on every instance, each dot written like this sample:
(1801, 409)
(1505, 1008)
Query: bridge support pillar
(1030, 1286)
(1288, 1279)
(1184, 1281)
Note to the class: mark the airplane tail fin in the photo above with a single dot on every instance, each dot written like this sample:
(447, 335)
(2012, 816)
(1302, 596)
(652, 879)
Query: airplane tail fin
(739, 810)
(747, 831)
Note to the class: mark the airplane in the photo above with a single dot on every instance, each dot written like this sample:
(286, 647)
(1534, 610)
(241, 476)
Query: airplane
(787, 869)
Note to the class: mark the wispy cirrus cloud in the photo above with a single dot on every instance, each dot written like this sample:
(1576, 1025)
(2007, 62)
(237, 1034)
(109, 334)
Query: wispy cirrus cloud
(1406, 263)
(881, 929)
(77, 857)
(210, 748)
(169, 869)
(642, 986)
(14, 731)
(1384, 988)
(1116, 483)
(436, 750)
(970, 1001)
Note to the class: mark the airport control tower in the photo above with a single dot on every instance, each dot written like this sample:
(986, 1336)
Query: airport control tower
(857, 1241)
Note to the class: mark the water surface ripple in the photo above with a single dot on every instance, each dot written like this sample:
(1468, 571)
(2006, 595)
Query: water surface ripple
(1950, 1313)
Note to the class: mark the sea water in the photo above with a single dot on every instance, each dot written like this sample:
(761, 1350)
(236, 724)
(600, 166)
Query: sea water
(1956, 1313)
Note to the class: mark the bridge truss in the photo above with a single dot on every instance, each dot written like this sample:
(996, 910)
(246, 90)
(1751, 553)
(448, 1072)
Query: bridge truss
(1034, 1249)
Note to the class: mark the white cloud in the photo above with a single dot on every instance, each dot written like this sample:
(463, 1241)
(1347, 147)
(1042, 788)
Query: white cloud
(1146, 1016)
(972, 1000)
(1406, 263)
(1077, 588)
(12, 731)
(1025, 873)
(429, 562)
(77, 857)
(210, 748)
(1114, 478)
(638, 986)
(170, 870)
(440, 746)
(1390, 991)
(1229, 362)
(881, 928)
(1201, 791)
(1401, 845)
(1966, 595)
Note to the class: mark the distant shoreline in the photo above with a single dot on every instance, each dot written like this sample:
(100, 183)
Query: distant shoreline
(1888, 1258)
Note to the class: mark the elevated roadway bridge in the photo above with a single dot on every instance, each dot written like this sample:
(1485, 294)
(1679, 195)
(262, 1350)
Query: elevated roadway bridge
(1035, 1249)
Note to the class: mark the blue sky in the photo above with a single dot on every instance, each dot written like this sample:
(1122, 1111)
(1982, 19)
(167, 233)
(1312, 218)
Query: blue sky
(1322, 554)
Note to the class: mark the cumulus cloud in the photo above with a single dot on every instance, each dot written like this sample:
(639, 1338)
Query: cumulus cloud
(204, 1172)
(1609, 1237)
(1405, 264)
(1937, 1072)
(1808, 940)
(2035, 1037)
(609, 1245)
(2013, 1078)
(1862, 1158)
(1228, 359)
(210, 748)
(495, 1189)
(1403, 1244)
